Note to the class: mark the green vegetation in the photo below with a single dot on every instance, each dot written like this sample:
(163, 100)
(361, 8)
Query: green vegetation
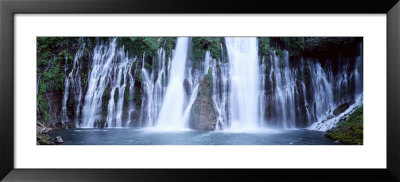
(168, 43)
(263, 46)
(146, 45)
(278, 44)
(295, 45)
(52, 55)
(139, 45)
(201, 44)
(351, 130)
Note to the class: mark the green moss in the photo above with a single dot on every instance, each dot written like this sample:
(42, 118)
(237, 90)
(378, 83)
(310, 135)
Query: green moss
(43, 138)
(44, 106)
(201, 44)
(168, 43)
(52, 55)
(263, 46)
(351, 130)
(139, 45)
(149, 46)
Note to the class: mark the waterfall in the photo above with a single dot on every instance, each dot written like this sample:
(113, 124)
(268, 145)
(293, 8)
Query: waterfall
(244, 74)
(98, 79)
(131, 108)
(118, 79)
(358, 71)
(154, 89)
(323, 95)
(189, 106)
(109, 70)
(73, 80)
(340, 87)
(327, 121)
(171, 114)
(220, 96)
(284, 83)
(304, 92)
(263, 95)
(207, 62)
(248, 92)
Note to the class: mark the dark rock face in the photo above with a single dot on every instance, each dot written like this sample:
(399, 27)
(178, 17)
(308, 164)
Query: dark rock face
(202, 115)
(54, 99)
(301, 119)
(341, 108)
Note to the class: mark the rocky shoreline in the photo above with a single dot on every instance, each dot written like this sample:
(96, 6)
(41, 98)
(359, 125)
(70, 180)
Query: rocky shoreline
(43, 137)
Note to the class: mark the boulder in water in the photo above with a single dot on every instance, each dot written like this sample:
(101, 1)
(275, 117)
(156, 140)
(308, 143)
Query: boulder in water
(58, 139)
(202, 115)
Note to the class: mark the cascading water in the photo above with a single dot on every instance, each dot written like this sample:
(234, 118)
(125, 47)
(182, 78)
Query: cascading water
(341, 86)
(300, 92)
(358, 71)
(108, 67)
(73, 80)
(154, 89)
(244, 75)
(171, 114)
(119, 81)
(131, 108)
(322, 90)
(97, 81)
(186, 113)
(263, 94)
(220, 96)
(283, 90)
(248, 93)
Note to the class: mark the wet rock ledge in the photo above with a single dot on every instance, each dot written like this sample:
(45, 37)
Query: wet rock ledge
(43, 137)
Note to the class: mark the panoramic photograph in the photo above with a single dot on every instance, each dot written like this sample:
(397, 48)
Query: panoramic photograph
(199, 90)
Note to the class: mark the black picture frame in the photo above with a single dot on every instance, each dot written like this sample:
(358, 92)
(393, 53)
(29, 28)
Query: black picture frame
(8, 8)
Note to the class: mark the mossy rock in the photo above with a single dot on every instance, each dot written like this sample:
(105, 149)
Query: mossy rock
(351, 130)
(202, 115)
(44, 139)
